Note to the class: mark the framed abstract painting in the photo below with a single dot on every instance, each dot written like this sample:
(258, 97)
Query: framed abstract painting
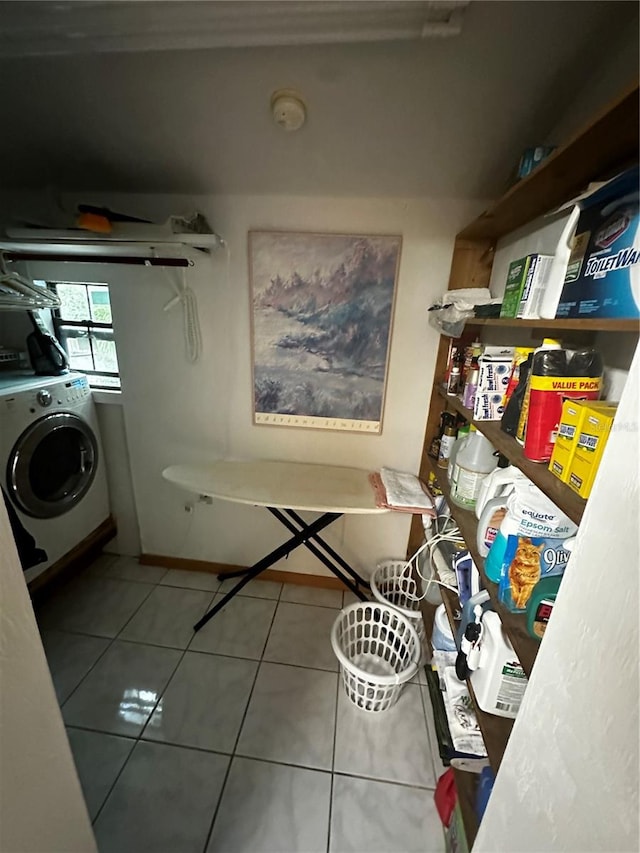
(321, 320)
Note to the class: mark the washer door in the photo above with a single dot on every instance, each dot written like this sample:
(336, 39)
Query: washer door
(52, 465)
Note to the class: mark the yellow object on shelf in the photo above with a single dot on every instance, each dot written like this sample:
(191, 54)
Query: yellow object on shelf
(590, 443)
(93, 222)
(565, 444)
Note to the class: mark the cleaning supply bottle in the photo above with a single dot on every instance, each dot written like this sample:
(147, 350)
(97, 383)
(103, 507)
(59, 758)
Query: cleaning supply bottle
(530, 515)
(491, 506)
(463, 434)
(446, 443)
(499, 680)
(471, 385)
(474, 461)
(511, 414)
(547, 365)
(499, 482)
(541, 604)
(555, 377)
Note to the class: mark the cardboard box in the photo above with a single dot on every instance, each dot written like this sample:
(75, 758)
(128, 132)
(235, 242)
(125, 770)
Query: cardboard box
(591, 440)
(566, 439)
(603, 275)
(516, 280)
(537, 278)
(494, 372)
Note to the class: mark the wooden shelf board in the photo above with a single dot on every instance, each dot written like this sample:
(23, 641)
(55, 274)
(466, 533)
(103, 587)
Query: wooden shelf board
(596, 325)
(467, 786)
(514, 623)
(538, 472)
(495, 730)
(605, 146)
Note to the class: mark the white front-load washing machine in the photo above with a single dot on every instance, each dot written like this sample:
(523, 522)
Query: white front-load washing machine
(51, 456)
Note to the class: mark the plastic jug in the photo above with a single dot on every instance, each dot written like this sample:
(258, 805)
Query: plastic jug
(529, 514)
(499, 681)
(491, 506)
(499, 482)
(474, 461)
(457, 446)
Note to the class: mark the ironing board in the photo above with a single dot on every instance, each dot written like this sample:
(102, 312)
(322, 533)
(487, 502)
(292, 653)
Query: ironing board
(283, 488)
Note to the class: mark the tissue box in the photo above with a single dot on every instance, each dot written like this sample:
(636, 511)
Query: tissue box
(494, 365)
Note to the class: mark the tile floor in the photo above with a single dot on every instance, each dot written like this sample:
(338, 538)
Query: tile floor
(239, 738)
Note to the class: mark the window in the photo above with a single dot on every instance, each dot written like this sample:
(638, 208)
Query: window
(84, 327)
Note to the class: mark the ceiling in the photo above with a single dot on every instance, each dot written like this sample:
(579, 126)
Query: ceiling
(143, 100)
(38, 28)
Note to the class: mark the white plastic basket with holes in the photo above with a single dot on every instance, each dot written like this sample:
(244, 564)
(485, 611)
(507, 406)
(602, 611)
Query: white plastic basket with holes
(378, 650)
(392, 583)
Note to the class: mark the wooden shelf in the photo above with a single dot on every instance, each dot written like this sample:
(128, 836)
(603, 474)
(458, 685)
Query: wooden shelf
(537, 472)
(467, 786)
(495, 730)
(583, 325)
(601, 149)
(514, 623)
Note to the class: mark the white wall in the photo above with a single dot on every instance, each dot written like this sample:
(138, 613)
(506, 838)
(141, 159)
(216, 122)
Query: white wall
(41, 804)
(569, 777)
(176, 412)
(118, 470)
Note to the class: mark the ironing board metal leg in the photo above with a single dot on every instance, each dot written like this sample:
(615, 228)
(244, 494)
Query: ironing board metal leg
(322, 557)
(329, 550)
(277, 554)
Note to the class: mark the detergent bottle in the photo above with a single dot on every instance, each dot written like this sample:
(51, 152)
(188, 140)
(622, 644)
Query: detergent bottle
(474, 460)
(491, 506)
(531, 515)
(498, 679)
(457, 446)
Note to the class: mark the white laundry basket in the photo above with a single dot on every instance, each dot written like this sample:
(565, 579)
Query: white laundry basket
(378, 650)
(392, 583)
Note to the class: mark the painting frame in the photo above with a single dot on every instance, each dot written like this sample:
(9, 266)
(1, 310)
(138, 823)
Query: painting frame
(322, 307)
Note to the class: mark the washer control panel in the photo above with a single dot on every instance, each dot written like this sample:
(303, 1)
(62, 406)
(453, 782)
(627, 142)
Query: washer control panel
(64, 393)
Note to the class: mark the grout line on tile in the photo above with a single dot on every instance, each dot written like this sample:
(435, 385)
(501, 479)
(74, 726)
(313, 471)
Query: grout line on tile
(235, 745)
(384, 781)
(333, 757)
(106, 649)
(175, 669)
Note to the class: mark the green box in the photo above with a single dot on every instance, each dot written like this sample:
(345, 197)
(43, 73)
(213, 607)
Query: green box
(516, 278)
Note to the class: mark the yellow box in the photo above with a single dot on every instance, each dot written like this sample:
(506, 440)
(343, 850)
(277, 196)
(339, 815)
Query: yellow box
(591, 439)
(565, 443)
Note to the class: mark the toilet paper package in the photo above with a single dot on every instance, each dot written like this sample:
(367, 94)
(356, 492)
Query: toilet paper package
(603, 274)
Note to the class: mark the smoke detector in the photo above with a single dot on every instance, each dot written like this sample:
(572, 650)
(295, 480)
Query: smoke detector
(288, 109)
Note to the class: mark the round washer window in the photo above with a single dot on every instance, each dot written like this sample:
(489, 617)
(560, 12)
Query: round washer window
(52, 465)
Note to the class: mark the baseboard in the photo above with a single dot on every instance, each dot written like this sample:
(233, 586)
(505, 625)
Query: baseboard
(321, 581)
(74, 561)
